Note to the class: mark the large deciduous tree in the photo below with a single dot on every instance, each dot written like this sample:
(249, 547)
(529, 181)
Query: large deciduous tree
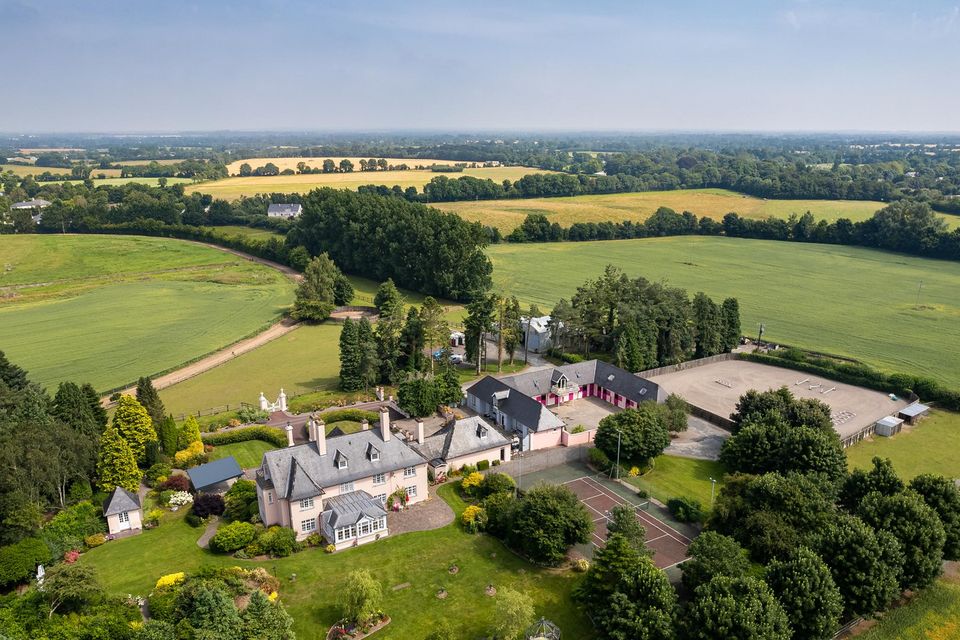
(713, 554)
(735, 608)
(315, 293)
(642, 433)
(941, 495)
(514, 614)
(805, 588)
(547, 522)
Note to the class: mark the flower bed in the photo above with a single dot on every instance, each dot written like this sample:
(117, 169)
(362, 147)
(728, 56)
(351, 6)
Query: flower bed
(341, 630)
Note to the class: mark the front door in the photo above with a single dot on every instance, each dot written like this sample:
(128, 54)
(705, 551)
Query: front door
(124, 519)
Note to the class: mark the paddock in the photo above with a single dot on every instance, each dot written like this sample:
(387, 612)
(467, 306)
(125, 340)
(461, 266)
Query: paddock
(716, 388)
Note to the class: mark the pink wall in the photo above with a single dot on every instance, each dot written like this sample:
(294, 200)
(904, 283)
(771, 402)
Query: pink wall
(545, 439)
(490, 455)
(568, 439)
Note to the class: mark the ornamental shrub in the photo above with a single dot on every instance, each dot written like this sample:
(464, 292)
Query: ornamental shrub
(193, 455)
(18, 561)
(164, 497)
(68, 528)
(351, 415)
(247, 415)
(467, 469)
(208, 504)
(685, 509)
(473, 519)
(175, 483)
(483, 465)
(180, 498)
(233, 536)
(95, 540)
(471, 483)
(152, 518)
(280, 542)
(152, 476)
(314, 539)
(598, 459)
(169, 580)
(496, 483)
(241, 501)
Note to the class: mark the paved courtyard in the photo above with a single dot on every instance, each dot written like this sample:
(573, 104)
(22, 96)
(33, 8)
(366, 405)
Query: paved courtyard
(701, 440)
(586, 411)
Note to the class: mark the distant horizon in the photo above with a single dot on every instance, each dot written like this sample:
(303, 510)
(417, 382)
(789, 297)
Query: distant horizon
(132, 67)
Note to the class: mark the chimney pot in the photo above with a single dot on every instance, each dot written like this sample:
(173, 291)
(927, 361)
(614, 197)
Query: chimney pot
(419, 431)
(289, 430)
(321, 430)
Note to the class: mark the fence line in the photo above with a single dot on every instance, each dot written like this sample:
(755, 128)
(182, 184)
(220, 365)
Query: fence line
(689, 364)
(213, 410)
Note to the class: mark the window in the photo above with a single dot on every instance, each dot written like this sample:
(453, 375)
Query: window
(342, 463)
(409, 472)
(380, 523)
(123, 517)
(346, 487)
(382, 497)
(309, 524)
(269, 497)
(379, 478)
(412, 491)
(306, 503)
(365, 528)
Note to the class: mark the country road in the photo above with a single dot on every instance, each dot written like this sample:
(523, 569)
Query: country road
(234, 350)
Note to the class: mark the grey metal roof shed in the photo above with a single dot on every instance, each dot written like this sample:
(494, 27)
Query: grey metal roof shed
(213, 473)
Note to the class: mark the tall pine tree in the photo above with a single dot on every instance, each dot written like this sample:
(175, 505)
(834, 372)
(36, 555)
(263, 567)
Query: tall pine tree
(730, 311)
(349, 357)
(369, 365)
(147, 396)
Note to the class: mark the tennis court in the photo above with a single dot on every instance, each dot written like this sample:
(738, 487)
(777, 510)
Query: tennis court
(669, 546)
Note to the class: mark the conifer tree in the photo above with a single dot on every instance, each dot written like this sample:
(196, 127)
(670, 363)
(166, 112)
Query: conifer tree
(168, 434)
(134, 425)
(265, 620)
(369, 364)
(97, 409)
(349, 357)
(147, 396)
(730, 311)
(117, 464)
(189, 433)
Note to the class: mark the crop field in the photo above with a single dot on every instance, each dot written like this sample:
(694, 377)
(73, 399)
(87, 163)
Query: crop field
(141, 163)
(97, 182)
(233, 188)
(316, 162)
(850, 301)
(30, 170)
(108, 309)
(619, 207)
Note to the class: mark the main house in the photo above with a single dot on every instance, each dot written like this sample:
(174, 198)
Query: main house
(339, 486)
(519, 403)
(468, 441)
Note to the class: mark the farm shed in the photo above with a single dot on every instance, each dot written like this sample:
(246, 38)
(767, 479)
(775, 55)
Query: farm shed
(914, 412)
(889, 426)
(216, 476)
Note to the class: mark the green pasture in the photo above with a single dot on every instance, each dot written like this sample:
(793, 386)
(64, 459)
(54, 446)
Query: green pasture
(311, 599)
(108, 309)
(245, 232)
(931, 446)
(932, 614)
(850, 301)
(248, 454)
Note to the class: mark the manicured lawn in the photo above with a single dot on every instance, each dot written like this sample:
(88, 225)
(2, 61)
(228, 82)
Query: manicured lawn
(108, 309)
(856, 302)
(934, 614)
(248, 454)
(930, 447)
(676, 477)
(421, 559)
(233, 188)
(345, 426)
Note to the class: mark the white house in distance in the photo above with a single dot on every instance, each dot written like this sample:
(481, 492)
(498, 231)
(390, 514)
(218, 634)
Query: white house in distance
(286, 211)
(338, 486)
(536, 333)
(123, 511)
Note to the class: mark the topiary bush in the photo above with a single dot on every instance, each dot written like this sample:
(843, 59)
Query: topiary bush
(233, 537)
(279, 542)
(685, 509)
(483, 465)
(208, 504)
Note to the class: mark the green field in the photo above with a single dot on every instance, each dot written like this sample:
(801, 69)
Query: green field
(618, 207)
(108, 309)
(676, 477)
(929, 447)
(248, 454)
(850, 301)
(419, 560)
(245, 232)
(933, 614)
(233, 188)
(30, 170)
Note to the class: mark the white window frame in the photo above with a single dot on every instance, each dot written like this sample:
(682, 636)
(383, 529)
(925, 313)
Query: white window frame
(379, 478)
(346, 487)
(412, 491)
(306, 504)
(382, 497)
(123, 517)
(342, 463)
(364, 528)
(269, 497)
(409, 472)
(310, 524)
(374, 455)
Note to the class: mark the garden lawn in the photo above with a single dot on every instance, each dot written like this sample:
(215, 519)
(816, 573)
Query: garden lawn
(619, 207)
(248, 454)
(676, 477)
(109, 309)
(234, 188)
(851, 301)
(934, 614)
(931, 446)
(421, 559)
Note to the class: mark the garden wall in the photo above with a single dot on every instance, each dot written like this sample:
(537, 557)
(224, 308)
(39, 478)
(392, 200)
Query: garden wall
(543, 459)
(683, 366)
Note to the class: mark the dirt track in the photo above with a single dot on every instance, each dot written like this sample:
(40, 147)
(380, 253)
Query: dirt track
(230, 352)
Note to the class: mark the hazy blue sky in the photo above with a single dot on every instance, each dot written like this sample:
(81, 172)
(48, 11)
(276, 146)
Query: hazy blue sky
(289, 64)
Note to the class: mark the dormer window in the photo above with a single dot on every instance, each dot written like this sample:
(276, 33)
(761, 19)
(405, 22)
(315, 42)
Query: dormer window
(340, 460)
(373, 454)
(481, 432)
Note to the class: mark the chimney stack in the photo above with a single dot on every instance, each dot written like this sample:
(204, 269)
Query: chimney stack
(289, 430)
(385, 423)
(419, 431)
(320, 428)
(364, 424)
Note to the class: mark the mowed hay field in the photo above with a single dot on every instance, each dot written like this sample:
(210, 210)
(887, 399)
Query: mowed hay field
(618, 207)
(30, 170)
(108, 309)
(849, 301)
(233, 188)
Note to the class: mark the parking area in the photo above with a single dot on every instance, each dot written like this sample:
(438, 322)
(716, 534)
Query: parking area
(585, 411)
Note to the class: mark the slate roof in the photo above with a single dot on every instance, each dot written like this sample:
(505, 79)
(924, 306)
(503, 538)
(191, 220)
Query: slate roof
(460, 439)
(37, 203)
(514, 403)
(348, 508)
(286, 210)
(211, 473)
(301, 472)
(119, 501)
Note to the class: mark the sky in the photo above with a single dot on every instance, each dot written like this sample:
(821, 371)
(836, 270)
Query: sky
(797, 65)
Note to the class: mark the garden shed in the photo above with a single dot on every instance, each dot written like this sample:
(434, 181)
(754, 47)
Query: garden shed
(216, 476)
(889, 426)
(123, 511)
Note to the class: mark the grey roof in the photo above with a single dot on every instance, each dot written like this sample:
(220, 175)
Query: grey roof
(348, 508)
(461, 438)
(301, 472)
(285, 209)
(37, 203)
(119, 501)
(211, 473)
(889, 421)
(914, 410)
(516, 404)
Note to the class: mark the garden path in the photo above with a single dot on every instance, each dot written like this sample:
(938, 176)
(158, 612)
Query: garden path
(204, 541)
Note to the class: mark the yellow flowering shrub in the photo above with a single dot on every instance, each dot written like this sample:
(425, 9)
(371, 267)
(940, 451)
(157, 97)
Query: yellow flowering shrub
(473, 518)
(170, 579)
(634, 472)
(190, 456)
(471, 482)
(273, 596)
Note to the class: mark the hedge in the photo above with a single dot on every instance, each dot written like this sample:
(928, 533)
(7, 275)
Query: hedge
(19, 561)
(232, 537)
(862, 375)
(276, 437)
(353, 415)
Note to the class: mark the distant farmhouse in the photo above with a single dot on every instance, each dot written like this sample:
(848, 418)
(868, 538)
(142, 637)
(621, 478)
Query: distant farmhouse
(35, 206)
(286, 211)
(536, 333)
(339, 486)
(518, 404)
